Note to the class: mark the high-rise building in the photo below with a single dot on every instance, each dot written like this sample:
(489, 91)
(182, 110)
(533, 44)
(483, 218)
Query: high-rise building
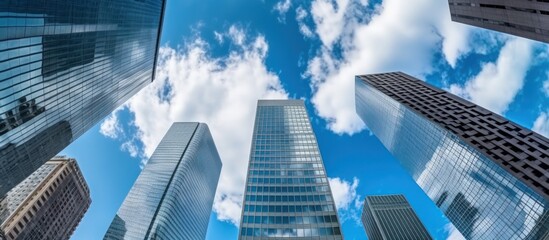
(64, 66)
(287, 191)
(528, 19)
(387, 217)
(172, 197)
(486, 173)
(48, 204)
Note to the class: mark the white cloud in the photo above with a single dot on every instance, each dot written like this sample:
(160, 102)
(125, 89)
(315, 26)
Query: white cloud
(329, 18)
(237, 35)
(455, 37)
(546, 86)
(300, 15)
(347, 201)
(218, 37)
(282, 8)
(221, 92)
(110, 127)
(399, 36)
(498, 83)
(453, 233)
(541, 125)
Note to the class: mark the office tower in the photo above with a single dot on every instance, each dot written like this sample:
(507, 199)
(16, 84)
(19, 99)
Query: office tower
(486, 173)
(64, 66)
(172, 197)
(48, 204)
(528, 19)
(287, 191)
(391, 217)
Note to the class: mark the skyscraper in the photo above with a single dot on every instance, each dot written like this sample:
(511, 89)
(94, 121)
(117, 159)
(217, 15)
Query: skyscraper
(287, 191)
(48, 204)
(391, 217)
(172, 197)
(64, 66)
(486, 173)
(528, 19)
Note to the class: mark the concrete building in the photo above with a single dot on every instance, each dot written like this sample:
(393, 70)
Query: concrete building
(48, 204)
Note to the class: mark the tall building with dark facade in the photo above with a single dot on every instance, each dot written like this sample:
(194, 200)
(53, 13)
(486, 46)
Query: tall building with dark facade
(528, 19)
(172, 197)
(287, 192)
(48, 204)
(387, 217)
(486, 173)
(64, 66)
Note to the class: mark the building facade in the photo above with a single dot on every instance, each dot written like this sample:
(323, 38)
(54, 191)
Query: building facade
(486, 173)
(48, 204)
(287, 192)
(172, 197)
(528, 19)
(387, 217)
(64, 66)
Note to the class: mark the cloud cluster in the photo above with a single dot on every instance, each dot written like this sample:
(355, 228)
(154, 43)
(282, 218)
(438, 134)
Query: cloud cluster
(396, 36)
(282, 8)
(347, 201)
(541, 125)
(222, 92)
(110, 126)
(497, 84)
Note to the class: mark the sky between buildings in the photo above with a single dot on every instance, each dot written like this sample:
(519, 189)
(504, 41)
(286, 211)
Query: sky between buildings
(218, 57)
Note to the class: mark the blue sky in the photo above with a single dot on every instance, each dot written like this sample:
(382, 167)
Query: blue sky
(219, 57)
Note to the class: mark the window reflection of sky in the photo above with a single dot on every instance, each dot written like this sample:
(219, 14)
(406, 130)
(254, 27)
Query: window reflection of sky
(481, 199)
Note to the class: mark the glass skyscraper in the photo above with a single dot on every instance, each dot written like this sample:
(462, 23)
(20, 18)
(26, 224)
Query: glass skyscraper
(48, 204)
(486, 173)
(172, 197)
(64, 66)
(287, 192)
(528, 19)
(387, 217)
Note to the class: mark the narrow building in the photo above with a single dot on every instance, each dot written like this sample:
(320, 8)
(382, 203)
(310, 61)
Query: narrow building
(287, 191)
(172, 197)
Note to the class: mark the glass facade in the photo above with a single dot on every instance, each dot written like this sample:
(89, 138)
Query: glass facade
(172, 197)
(482, 200)
(64, 66)
(287, 192)
(391, 217)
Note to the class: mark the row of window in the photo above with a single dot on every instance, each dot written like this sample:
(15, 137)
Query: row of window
(528, 10)
(272, 189)
(285, 154)
(505, 24)
(286, 158)
(285, 166)
(290, 198)
(286, 173)
(289, 219)
(284, 147)
(290, 232)
(291, 208)
(259, 136)
(286, 180)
